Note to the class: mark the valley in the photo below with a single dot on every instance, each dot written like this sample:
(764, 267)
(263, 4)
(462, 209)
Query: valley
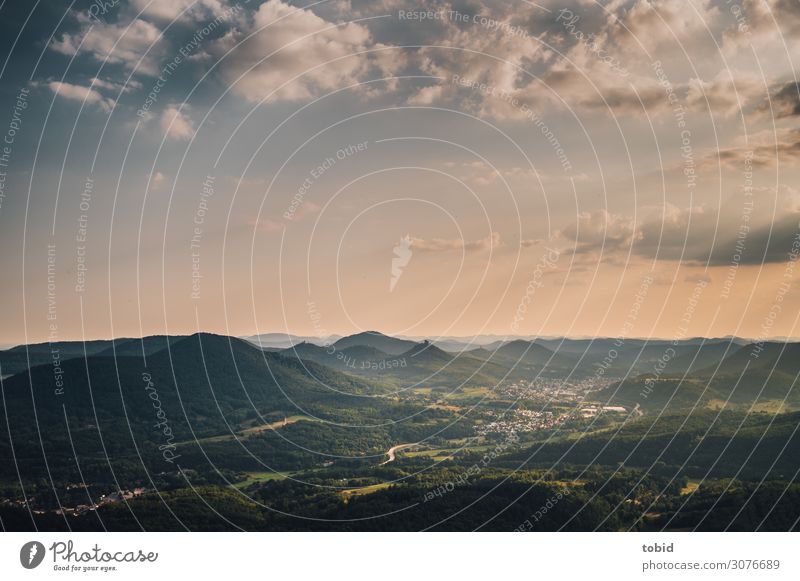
(369, 425)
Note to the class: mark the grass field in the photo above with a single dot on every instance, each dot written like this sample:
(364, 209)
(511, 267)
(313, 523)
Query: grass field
(259, 477)
(277, 425)
(690, 487)
(365, 489)
(769, 406)
(246, 433)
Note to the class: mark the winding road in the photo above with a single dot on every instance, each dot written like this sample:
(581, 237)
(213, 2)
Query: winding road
(393, 450)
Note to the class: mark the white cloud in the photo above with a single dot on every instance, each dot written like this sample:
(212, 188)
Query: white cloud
(763, 24)
(725, 94)
(130, 85)
(599, 230)
(286, 42)
(444, 245)
(267, 225)
(493, 58)
(176, 123)
(80, 93)
(169, 10)
(656, 23)
(120, 44)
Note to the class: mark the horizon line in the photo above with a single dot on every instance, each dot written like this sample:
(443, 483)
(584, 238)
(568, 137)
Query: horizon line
(247, 337)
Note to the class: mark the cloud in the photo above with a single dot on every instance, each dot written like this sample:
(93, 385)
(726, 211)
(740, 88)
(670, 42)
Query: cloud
(306, 209)
(176, 123)
(678, 233)
(724, 94)
(656, 23)
(169, 10)
(521, 71)
(697, 278)
(120, 44)
(604, 68)
(766, 150)
(766, 244)
(706, 236)
(745, 231)
(427, 95)
(785, 12)
(446, 245)
(285, 42)
(597, 231)
(786, 100)
(764, 20)
(80, 93)
(495, 46)
(267, 225)
(130, 85)
(594, 90)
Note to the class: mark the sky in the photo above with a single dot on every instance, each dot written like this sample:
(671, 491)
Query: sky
(578, 168)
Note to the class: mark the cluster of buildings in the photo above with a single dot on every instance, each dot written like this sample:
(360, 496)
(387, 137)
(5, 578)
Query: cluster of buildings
(104, 499)
(80, 508)
(595, 410)
(520, 421)
(554, 389)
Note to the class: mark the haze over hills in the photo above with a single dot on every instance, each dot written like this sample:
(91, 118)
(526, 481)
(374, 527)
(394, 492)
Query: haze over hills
(515, 359)
(371, 353)
(284, 340)
(462, 343)
(421, 362)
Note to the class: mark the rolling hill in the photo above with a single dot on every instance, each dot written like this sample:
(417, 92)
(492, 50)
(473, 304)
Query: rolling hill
(766, 378)
(19, 358)
(535, 355)
(379, 341)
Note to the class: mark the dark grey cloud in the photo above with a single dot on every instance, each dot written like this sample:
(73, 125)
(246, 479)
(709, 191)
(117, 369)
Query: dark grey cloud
(704, 237)
(694, 236)
(770, 243)
(786, 101)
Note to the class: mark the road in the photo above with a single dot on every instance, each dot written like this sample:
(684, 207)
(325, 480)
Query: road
(393, 450)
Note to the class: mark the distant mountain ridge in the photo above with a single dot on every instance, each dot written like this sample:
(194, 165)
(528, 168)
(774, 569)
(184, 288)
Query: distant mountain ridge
(285, 340)
(504, 358)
